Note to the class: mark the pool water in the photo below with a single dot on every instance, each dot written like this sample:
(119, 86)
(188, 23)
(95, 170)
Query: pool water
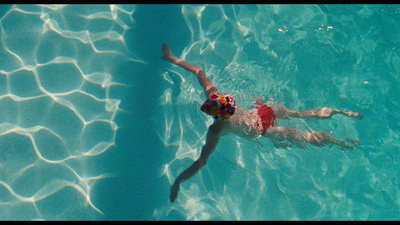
(94, 125)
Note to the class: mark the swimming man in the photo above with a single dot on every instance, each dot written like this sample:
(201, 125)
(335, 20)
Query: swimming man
(249, 123)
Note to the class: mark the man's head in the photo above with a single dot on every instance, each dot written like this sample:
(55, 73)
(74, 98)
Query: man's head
(219, 106)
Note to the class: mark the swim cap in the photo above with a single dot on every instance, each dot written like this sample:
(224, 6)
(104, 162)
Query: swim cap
(223, 106)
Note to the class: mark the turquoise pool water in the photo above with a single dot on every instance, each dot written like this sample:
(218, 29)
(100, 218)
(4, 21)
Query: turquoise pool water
(95, 126)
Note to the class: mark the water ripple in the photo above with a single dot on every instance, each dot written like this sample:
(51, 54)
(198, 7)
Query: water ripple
(55, 108)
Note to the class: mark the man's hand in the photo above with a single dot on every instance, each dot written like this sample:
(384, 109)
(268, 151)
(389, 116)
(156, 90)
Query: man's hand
(174, 191)
(167, 54)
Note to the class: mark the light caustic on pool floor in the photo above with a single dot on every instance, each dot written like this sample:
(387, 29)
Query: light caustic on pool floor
(55, 109)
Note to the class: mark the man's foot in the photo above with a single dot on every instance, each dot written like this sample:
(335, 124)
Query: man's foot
(356, 115)
(174, 192)
(167, 54)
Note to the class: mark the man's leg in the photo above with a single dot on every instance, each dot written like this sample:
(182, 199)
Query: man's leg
(279, 135)
(282, 112)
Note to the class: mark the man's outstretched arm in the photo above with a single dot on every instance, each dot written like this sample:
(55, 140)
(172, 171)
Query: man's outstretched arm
(208, 86)
(213, 135)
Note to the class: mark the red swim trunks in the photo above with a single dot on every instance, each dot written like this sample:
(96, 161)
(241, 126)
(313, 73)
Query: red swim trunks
(266, 115)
